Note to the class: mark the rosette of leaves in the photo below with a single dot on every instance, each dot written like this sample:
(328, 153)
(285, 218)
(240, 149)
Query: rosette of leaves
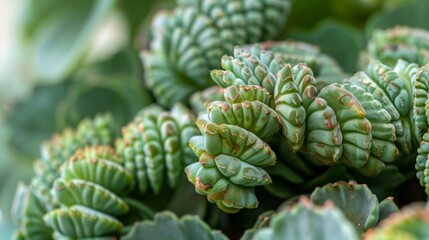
(400, 42)
(189, 41)
(32, 202)
(90, 194)
(155, 147)
(364, 123)
(167, 225)
(411, 222)
(305, 220)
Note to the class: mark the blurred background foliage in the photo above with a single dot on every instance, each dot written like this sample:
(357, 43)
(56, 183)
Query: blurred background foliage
(62, 61)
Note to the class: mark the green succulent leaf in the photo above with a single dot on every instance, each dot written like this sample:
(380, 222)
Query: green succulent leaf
(155, 145)
(307, 221)
(187, 227)
(357, 202)
(88, 194)
(410, 223)
(387, 207)
(79, 221)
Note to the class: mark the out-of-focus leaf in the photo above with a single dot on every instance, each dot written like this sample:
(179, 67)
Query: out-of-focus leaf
(411, 222)
(135, 11)
(167, 226)
(186, 201)
(58, 33)
(413, 14)
(114, 85)
(120, 96)
(33, 120)
(390, 177)
(341, 42)
(305, 14)
(356, 11)
(124, 63)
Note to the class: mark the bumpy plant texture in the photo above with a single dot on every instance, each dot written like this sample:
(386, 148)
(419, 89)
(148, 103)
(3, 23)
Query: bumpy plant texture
(409, 44)
(33, 202)
(366, 122)
(325, 69)
(155, 146)
(89, 192)
(190, 40)
(282, 115)
(83, 186)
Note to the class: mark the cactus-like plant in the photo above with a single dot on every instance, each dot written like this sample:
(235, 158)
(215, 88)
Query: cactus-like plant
(365, 123)
(33, 202)
(189, 41)
(90, 192)
(307, 221)
(400, 42)
(282, 115)
(155, 146)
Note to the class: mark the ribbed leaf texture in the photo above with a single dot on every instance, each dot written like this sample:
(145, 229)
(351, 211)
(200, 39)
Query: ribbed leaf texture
(307, 221)
(400, 42)
(31, 203)
(89, 192)
(366, 122)
(167, 225)
(189, 41)
(411, 223)
(155, 146)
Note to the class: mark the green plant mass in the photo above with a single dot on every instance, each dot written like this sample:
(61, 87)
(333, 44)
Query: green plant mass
(217, 119)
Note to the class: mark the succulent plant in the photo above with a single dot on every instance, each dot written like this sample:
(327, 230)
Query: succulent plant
(190, 40)
(411, 223)
(236, 109)
(155, 146)
(400, 42)
(359, 205)
(187, 227)
(90, 192)
(308, 221)
(32, 202)
(365, 123)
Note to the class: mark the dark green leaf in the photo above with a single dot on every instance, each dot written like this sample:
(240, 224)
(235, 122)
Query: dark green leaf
(413, 14)
(341, 42)
(33, 120)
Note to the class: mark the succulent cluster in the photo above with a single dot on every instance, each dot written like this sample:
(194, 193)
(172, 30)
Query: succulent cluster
(366, 122)
(189, 41)
(278, 114)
